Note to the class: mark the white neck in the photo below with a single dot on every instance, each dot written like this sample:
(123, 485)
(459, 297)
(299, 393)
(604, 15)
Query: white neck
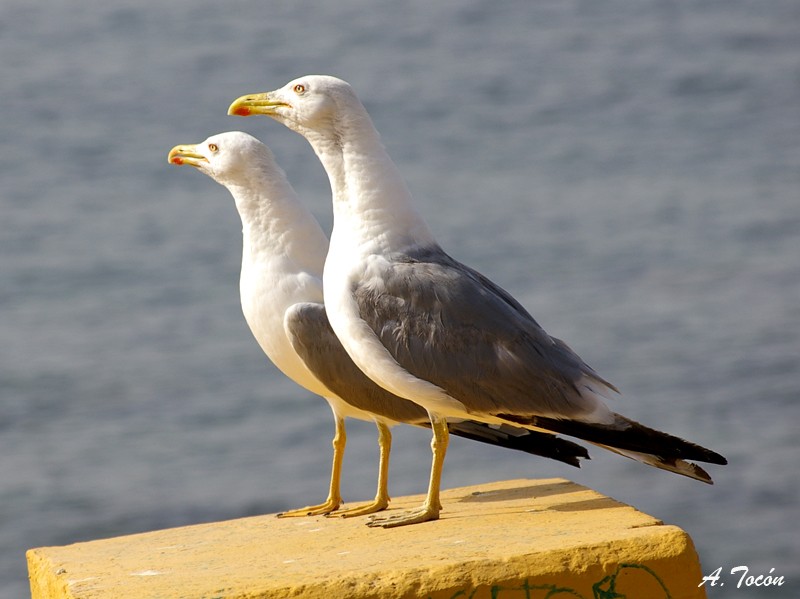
(283, 254)
(276, 225)
(371, 202)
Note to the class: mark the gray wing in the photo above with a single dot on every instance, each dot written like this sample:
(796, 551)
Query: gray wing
(315, 342)
(450, 325)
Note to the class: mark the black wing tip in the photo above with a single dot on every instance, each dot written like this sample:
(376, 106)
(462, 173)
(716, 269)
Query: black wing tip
(716, 458)
(532, 442)
(625, 434)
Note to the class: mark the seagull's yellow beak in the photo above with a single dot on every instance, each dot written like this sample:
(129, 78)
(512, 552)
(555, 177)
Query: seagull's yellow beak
(186, 154)
(251, 104)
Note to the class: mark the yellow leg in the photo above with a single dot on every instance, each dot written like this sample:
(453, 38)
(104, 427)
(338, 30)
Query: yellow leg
(431, 507)
(334, 495)
(382, 496)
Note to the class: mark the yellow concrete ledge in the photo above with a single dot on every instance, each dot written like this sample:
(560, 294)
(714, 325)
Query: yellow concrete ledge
(522, 539)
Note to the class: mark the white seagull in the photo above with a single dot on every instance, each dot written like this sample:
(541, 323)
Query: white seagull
(429, 328)
(283, 254)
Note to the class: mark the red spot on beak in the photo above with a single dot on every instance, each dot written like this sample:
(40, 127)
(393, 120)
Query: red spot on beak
(242, 111)
(177, 160)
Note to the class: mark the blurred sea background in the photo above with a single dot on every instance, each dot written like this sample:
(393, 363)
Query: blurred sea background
(630, 171)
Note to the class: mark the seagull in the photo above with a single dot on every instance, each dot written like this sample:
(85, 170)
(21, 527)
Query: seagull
(430, 329)
(283, 255)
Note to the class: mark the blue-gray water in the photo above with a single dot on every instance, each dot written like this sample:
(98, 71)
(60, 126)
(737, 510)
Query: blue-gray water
(630, 171)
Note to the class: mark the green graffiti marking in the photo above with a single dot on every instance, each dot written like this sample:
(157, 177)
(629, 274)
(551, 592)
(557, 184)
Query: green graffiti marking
(610, 592)
(605, 588)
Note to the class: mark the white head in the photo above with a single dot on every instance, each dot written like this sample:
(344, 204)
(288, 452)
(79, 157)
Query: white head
(233, 158)
(311, 104)
(369, 192)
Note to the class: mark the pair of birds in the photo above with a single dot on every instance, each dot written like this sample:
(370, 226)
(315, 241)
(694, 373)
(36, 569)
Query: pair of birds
(386, 326)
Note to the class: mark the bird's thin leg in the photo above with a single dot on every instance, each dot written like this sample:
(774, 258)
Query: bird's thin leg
(431, 506)
(382, 497)
(334, 495)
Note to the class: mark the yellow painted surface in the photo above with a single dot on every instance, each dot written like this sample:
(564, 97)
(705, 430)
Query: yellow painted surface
(522, 539)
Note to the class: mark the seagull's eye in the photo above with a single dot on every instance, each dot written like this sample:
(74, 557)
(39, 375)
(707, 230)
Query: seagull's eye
(299, 89)
(213, 147)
